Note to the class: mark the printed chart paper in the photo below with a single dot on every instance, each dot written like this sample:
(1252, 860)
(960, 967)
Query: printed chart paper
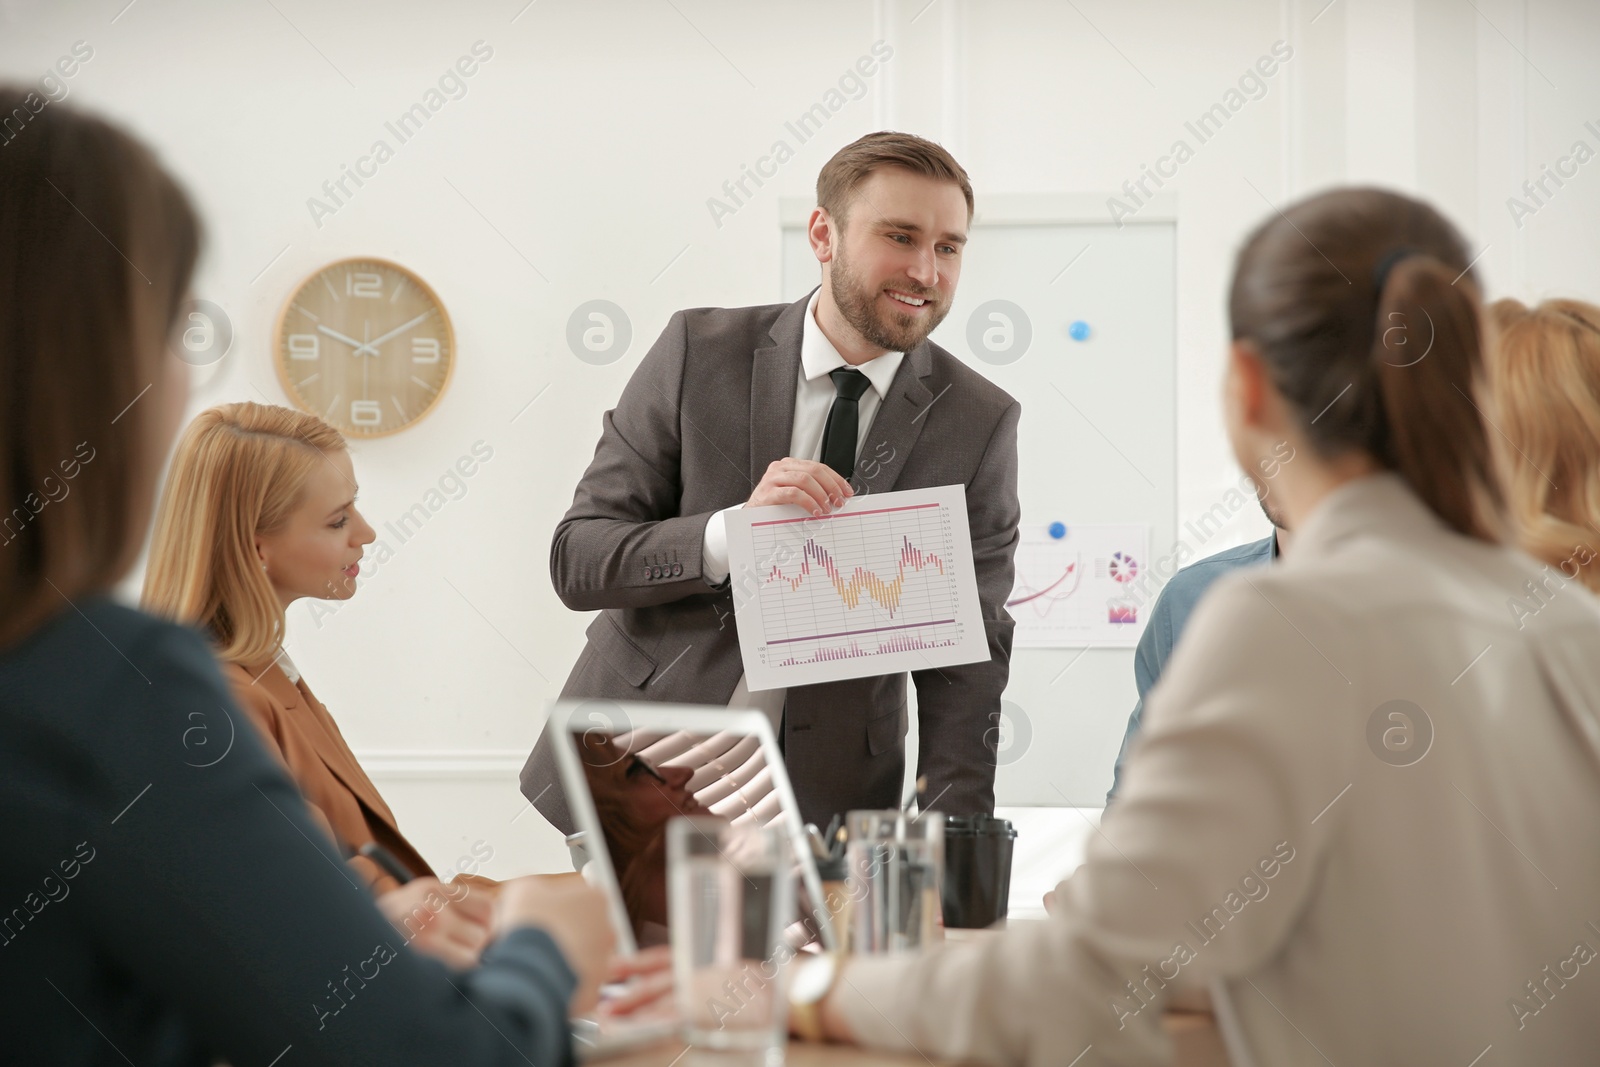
(883, 585)
(1075, 586)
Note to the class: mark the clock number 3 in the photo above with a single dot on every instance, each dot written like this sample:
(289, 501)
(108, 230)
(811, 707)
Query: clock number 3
(424, 350)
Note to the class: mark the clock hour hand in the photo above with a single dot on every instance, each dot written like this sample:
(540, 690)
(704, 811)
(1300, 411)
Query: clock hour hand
(337, 336)
(372, 346)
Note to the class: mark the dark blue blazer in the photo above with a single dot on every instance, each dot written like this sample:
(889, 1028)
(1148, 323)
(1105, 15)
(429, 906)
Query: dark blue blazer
(1167, 620)
(165, 897)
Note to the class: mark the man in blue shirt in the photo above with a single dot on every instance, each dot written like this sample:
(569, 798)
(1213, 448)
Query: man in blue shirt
(1171, 613)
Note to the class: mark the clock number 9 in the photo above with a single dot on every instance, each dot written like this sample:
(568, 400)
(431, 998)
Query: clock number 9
(365, 413)
(304, 346)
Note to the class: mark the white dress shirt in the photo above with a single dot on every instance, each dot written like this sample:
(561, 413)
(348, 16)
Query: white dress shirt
(812, 402)
(1364, 810)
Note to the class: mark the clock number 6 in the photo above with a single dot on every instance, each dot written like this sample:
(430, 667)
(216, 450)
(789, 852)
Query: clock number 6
(365, 413)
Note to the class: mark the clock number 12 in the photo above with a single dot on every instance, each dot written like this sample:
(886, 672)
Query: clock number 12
(363, 283)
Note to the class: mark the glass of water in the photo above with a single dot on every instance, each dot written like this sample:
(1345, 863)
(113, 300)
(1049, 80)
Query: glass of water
(730, 893)
(895, 868)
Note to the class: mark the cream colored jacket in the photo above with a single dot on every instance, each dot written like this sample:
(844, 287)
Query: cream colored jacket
(1364, 810)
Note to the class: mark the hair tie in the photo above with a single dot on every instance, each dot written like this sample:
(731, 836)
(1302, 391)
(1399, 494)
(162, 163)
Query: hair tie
(1386, 262)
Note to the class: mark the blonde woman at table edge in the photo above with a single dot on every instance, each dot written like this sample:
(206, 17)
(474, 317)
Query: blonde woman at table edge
(259, 511)
(1362, 777)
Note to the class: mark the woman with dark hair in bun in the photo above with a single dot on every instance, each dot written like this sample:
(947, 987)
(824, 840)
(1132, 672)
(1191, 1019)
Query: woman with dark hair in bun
(1364, 811)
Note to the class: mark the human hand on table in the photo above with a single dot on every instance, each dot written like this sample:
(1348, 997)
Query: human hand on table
(575, 915)
(448, 925)
(648, 978)
(814, 991)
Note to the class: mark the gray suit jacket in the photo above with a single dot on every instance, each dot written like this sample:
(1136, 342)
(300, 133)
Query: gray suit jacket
(710, 406)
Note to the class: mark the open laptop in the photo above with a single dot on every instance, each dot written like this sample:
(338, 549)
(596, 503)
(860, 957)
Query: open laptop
(627, 769)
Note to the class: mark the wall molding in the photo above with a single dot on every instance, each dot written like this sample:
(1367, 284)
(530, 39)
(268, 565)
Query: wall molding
(443, 764)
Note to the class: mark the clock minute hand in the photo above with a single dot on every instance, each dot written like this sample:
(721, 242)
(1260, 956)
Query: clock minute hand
(372, 345)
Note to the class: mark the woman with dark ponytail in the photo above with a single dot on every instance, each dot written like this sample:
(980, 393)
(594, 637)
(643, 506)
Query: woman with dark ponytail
(1364, 813)
(1364, 314)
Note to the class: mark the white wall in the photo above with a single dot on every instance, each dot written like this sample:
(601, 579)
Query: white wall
(578, 165)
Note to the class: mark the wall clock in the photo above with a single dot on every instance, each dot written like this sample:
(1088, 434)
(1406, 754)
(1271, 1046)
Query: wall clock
(366, 345)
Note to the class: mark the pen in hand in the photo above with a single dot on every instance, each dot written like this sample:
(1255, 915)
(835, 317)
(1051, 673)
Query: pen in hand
(386, 859)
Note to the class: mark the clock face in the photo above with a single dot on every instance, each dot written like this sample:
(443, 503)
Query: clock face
(366, 345)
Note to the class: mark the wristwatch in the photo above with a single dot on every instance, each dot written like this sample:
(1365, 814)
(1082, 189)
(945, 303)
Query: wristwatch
(812, 981)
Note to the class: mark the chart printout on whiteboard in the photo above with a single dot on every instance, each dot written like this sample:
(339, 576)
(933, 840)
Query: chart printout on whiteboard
(882, 585)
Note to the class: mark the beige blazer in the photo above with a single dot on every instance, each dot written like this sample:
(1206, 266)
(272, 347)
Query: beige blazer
(300, 732)
(1365, 810)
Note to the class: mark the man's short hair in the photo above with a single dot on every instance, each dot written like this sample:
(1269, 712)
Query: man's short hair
(855, 162)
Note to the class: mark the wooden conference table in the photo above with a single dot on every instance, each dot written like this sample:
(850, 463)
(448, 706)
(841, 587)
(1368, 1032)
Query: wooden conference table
(1195, 1043)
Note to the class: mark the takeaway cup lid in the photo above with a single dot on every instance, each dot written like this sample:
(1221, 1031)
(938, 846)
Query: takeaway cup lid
(978, 826)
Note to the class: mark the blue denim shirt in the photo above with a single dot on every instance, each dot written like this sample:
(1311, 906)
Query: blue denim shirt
(1167, 620)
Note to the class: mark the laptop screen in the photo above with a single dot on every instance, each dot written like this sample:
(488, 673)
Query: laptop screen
(639, 774)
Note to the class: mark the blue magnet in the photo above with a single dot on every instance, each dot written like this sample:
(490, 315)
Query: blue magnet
(1058, 530)
(1079, 331)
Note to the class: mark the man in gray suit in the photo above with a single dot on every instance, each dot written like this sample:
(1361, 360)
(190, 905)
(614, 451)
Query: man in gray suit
(836, 394)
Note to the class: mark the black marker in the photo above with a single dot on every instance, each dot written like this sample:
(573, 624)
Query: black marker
(386, 859)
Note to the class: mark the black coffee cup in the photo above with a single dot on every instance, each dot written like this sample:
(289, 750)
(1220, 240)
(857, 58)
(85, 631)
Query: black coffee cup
(977, 870)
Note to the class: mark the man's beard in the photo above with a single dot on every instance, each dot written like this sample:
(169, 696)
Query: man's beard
(895, 332)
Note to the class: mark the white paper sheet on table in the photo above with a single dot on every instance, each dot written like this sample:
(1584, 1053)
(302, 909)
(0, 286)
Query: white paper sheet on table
(885, 584)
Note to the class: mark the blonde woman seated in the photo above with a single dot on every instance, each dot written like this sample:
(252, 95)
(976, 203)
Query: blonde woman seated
(259, 511)
(1547, 387)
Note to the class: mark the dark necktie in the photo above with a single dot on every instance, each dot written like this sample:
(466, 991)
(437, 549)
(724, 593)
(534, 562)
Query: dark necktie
(844, 418)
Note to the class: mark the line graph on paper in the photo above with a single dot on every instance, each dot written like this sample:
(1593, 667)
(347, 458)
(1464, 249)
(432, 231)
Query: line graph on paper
(882, 585)
(1077, 586)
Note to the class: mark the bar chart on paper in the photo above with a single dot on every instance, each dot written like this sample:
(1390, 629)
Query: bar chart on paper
(884, 584)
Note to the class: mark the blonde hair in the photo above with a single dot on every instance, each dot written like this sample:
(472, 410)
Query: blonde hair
(1546, 373)
(239, 471)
